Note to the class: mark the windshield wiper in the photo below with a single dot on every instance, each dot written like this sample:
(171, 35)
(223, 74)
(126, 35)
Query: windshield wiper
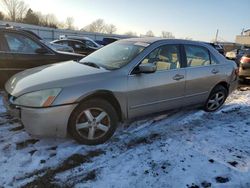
(91, 64)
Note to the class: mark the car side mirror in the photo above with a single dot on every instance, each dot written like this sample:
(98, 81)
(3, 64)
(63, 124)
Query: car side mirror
(147, 68)
(41, 51)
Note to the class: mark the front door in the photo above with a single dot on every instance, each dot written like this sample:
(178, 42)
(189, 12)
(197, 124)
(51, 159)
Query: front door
(161, 90)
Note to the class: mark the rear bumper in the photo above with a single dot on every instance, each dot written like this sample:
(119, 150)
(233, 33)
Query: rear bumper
(43, 122)
(244, 72)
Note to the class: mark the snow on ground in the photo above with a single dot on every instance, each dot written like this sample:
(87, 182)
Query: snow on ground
(184, 148)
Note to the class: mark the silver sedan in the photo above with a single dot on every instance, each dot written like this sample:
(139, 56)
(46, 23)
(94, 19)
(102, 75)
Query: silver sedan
(124, 80)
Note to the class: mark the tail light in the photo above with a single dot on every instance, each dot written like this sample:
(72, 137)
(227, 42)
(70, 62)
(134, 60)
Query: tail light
(245, 59)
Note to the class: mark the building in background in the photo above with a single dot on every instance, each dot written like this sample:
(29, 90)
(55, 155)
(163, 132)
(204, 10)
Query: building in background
(244, 38)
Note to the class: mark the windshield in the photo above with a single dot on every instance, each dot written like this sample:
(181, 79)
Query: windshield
(115, 55)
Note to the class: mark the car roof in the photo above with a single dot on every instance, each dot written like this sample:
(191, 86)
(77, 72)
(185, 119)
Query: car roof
(20, 30)
(111, 38)
(151, 40)
(73, 40)
(77, 38)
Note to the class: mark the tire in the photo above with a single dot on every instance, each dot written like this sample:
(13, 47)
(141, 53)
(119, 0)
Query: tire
(93, 122)
(216, 98)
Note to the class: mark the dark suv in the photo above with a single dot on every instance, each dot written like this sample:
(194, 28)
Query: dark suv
(20, 50)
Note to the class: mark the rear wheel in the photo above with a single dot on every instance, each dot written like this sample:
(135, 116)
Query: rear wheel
(216, 99)
(93, 122)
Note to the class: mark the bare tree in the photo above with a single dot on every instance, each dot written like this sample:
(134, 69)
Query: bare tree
(168, 35)
(1, 16)
(69, 23)
(110, 29)
(50, 20)
(96, 26)
(150, 33)
(131, 33)
(15, 9)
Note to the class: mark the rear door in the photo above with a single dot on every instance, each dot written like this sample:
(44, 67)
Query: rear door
(203, 73)
(161, 90)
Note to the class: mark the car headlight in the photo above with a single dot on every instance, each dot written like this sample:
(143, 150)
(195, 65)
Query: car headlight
(43, 98)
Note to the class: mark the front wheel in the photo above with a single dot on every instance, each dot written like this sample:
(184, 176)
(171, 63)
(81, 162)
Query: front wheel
(93, 122)
(216, 99)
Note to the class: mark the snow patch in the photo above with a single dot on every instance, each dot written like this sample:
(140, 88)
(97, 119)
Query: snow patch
(178, 149)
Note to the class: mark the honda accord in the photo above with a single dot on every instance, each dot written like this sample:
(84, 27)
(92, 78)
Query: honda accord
(121, 81)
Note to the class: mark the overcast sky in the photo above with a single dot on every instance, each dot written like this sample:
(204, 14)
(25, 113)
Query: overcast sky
(197, 19)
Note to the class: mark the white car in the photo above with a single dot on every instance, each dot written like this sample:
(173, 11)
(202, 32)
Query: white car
(232, 54)
(86, 40)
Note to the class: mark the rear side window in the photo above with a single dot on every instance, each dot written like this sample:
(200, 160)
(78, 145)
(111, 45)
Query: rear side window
(214, 61)
(197, 56)
(21, 44)
(63, 42)
(77, 45)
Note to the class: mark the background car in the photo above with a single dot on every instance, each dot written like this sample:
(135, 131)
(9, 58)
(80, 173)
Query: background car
(240, 54)
(232, 54)
(107, 40)
(244, 66)
(20, 50)
(54, 46)
(78, 46)
(124, 80)
(85, 40)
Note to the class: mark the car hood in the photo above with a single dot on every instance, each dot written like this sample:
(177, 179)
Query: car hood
(51, 76)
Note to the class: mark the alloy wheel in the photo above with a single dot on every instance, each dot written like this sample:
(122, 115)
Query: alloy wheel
(216, 101)
(93, 123)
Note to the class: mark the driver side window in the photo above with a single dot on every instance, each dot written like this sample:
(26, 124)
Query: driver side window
(166, 57)
(20, 44)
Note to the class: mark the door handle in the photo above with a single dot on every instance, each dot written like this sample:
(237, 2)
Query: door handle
(178, 77)
(215, 71)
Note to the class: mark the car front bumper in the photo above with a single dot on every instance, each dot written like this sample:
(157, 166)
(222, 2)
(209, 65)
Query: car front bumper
(43, 122)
